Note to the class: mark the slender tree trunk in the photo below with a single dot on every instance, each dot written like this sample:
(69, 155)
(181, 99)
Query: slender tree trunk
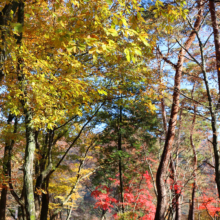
(46, 179)
(6, 161)
(176, 200)
(37, 196)
(45, 200)
(44, 207)
(40, 166)
(3, 202)
(214, 132)
(120, 161)
(178, 206)
(21, 215)
(103, 215)
(178, 139)
(4, 20)
(213, 113)
(162, 169)
(69, 213)
(7, 168)
(177, 191)
(164, 116)
(38, 179)
(192, 205)
(176, 194)
(172, 190)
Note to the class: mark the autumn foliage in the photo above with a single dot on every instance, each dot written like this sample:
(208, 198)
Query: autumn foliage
(109, 109)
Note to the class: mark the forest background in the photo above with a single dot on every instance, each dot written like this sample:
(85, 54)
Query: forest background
(109, 109)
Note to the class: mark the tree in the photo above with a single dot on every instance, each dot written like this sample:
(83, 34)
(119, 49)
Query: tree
(48, 52)
(161, 205)
(120, 148)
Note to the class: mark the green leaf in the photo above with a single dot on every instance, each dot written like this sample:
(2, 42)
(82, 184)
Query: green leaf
(109, 2)
(18, 27)
(27, 15)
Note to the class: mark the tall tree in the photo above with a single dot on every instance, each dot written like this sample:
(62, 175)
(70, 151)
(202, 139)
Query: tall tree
(162, 169)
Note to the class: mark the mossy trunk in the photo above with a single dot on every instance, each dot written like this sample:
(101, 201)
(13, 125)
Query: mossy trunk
(28, 167)
(30, 134)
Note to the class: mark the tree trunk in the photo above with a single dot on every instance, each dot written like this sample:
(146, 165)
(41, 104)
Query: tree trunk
(213, 113)
(178, 206)
(4, 18)
(40, 167)
(176, 194)
(6, 168)
(28, 167)
(3, 202)
(45, 200)
(192, 205)
(120, 161)
(30, 134)
(164, 117)
(216, 37)
(162, 169)
(37, 196)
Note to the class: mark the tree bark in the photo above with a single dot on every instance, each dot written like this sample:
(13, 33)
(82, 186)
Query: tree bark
(164, 117)
(216, 37)
(7, 168)
(39, 178)
(28, 167)
(4, 18)
(45, 201)
(3, 202)
(30, 134)
(162, 169)
(40, 167)
(213, 113)
(176, 194)
(6, 161)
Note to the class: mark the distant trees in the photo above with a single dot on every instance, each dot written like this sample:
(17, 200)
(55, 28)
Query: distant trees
(125, 156)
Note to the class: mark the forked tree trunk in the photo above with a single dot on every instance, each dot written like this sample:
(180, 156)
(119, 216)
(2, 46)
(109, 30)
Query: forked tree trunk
(162, 169)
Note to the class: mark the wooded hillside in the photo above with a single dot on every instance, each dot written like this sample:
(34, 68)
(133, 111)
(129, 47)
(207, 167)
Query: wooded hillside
(109, 109)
